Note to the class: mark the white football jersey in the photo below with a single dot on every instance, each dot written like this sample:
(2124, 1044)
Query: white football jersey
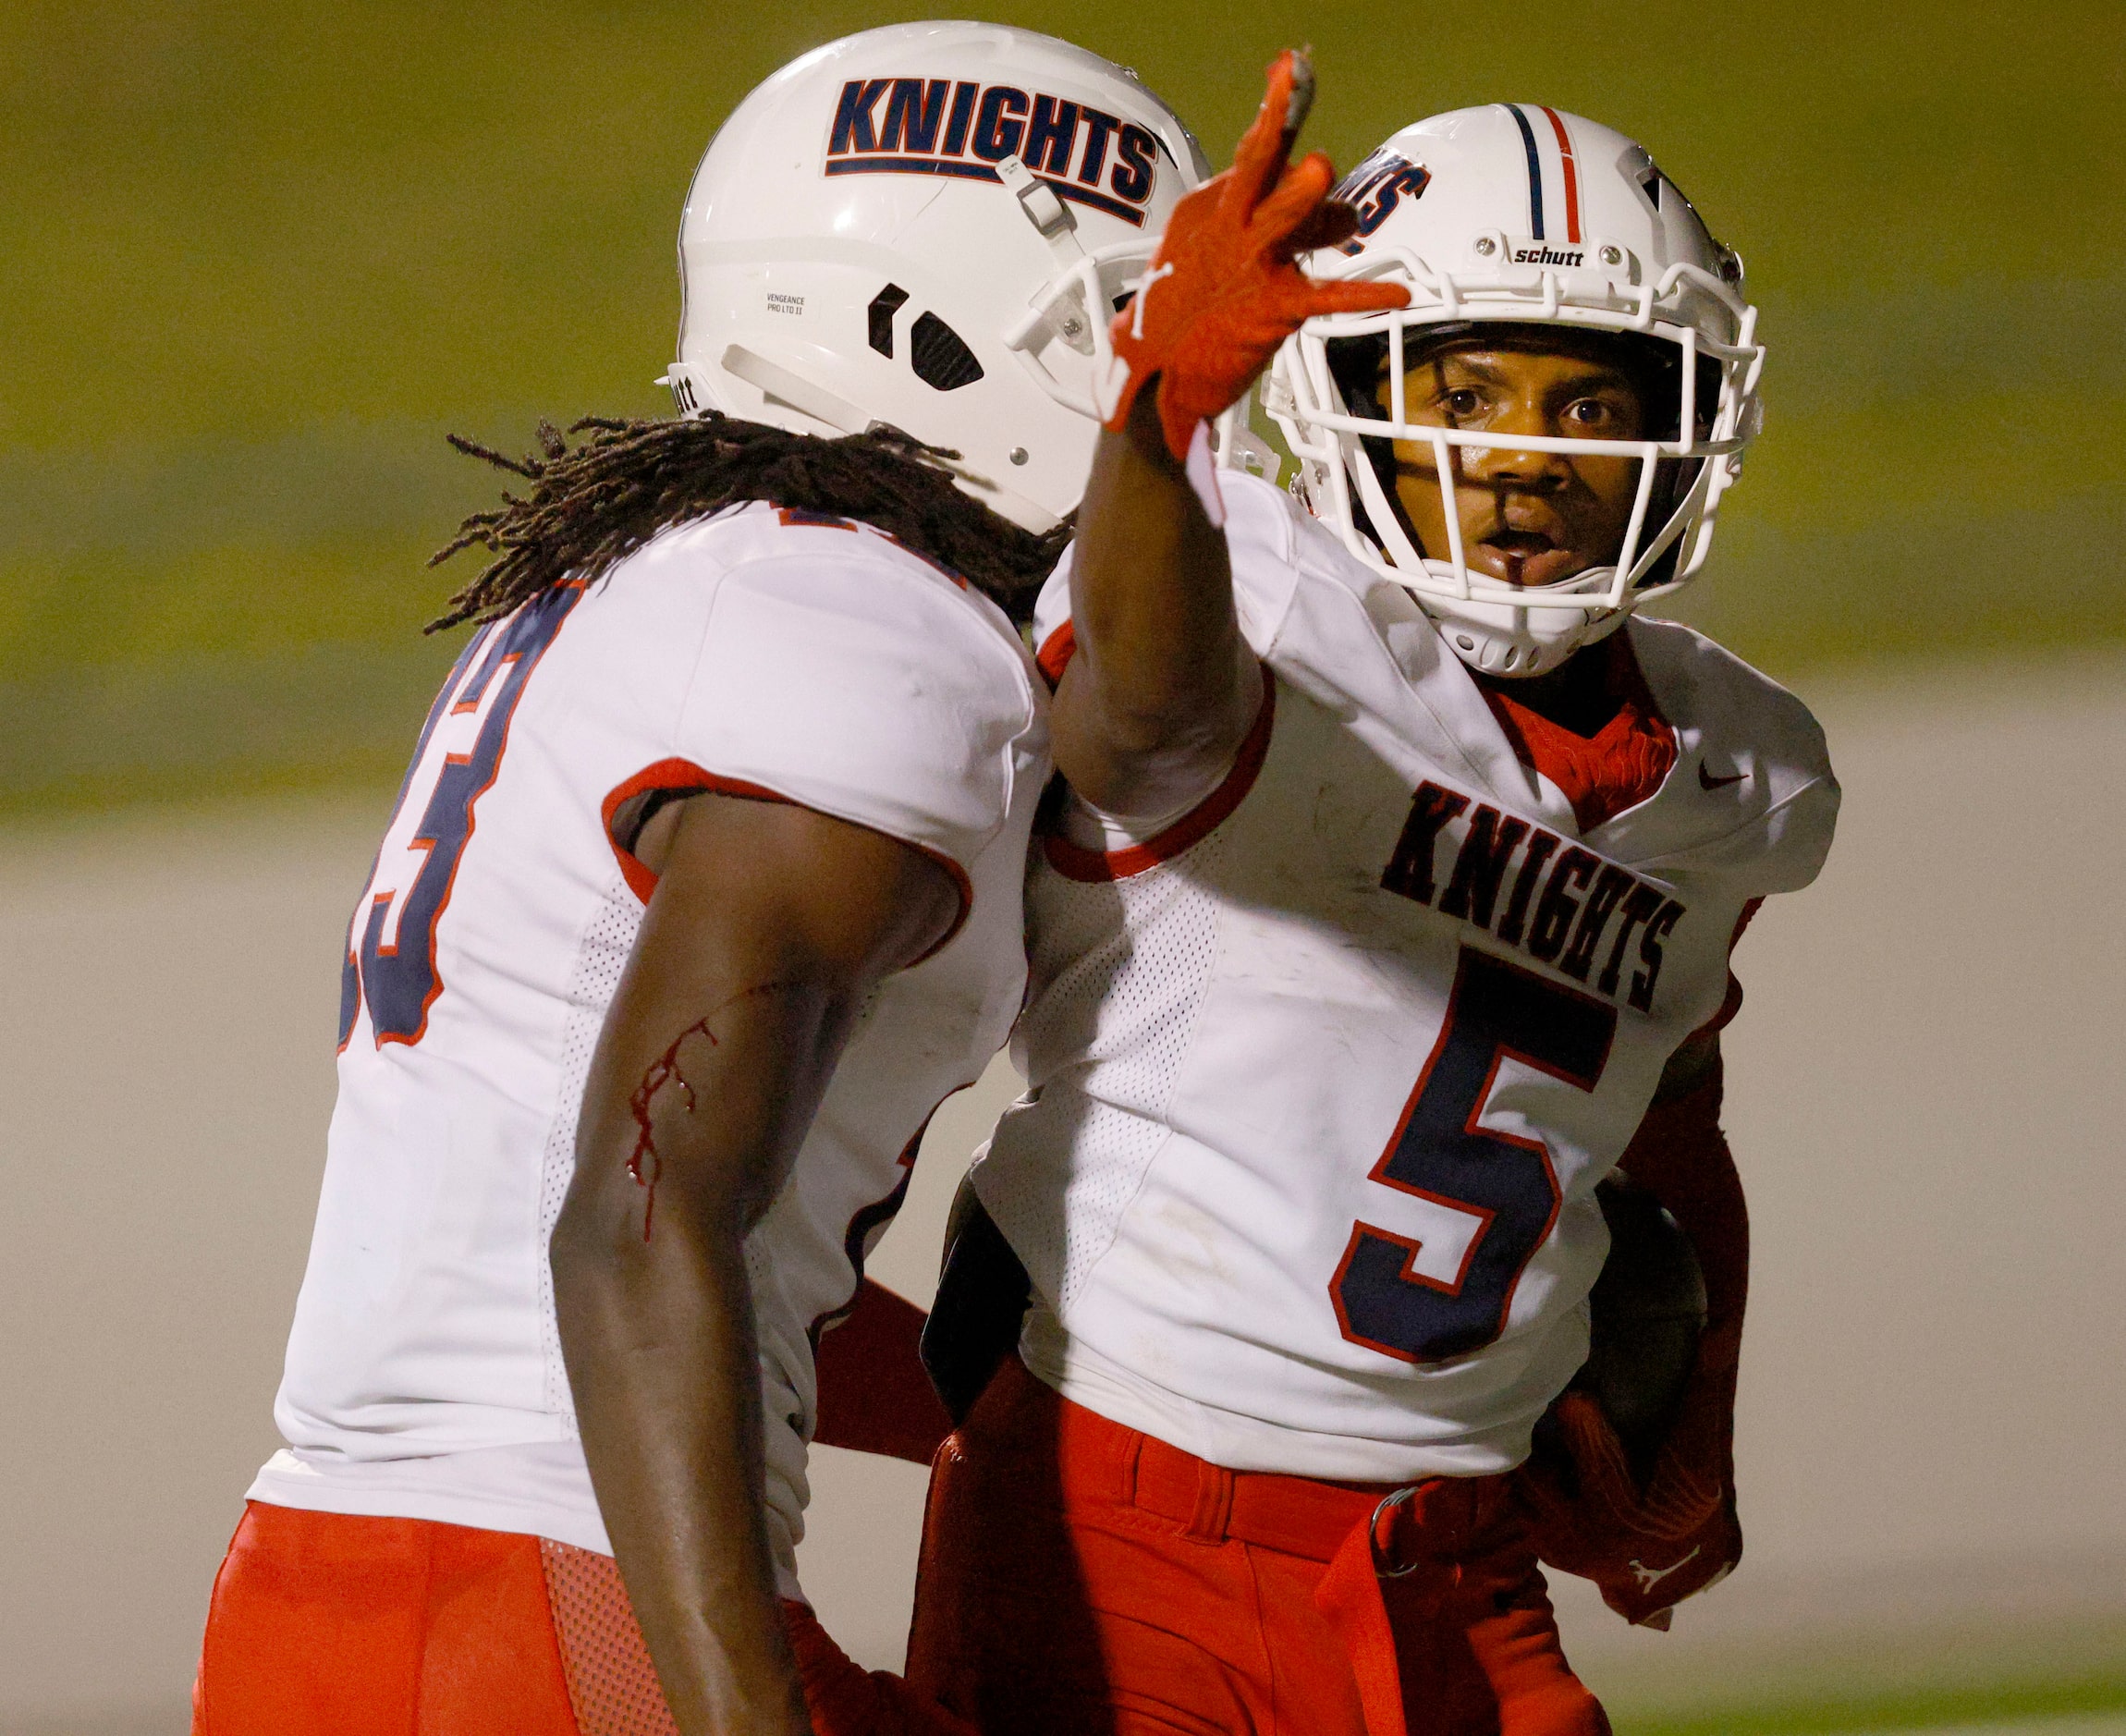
(759, 651)
(1321, 1078)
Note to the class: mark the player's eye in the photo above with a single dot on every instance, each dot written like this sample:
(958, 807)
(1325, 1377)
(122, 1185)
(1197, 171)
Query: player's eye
(1590, 415)
(1462, 402)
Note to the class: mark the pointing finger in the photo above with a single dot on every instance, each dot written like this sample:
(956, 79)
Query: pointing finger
(1260, 157)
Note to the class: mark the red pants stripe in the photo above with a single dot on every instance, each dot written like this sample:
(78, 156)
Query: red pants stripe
(1081, 1579)
(333, 1624)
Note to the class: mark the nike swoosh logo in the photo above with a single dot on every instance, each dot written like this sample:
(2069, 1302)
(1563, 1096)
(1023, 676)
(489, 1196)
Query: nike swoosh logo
(1707, 781)
(1649, 1577)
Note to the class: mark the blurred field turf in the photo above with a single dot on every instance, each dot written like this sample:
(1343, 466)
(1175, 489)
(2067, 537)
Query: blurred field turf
(257, 258)
(2095, 1706)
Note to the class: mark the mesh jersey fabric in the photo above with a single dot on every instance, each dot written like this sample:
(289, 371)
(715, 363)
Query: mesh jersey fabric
(1293, 1283)
(755, 652)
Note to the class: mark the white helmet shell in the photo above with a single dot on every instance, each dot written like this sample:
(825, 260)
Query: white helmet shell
(1519, 214)
(928, 226)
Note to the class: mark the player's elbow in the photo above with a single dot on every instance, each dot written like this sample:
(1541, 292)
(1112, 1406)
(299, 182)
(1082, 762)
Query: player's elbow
(588, 1253)
(1139, 752)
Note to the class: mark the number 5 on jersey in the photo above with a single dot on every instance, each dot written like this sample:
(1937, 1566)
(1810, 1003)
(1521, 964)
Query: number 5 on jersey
(1503, 1183)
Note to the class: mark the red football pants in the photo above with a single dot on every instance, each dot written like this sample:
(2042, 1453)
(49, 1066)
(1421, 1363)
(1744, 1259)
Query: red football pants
(330, 1624)
(1081, 1579)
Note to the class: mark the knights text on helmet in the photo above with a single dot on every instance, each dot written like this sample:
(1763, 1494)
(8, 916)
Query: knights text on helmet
(964, 130)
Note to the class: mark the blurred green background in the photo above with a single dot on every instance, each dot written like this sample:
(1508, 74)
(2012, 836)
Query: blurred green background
(257, 258)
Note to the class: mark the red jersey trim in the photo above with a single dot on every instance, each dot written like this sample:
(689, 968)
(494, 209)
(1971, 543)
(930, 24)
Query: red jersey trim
(685, 775)
(1056, 652)
(1074, 862)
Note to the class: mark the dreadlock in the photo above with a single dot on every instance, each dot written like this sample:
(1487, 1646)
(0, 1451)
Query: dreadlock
(592, 505)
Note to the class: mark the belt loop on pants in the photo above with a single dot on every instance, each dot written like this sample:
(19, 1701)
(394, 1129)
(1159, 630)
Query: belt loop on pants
(1214, 1511)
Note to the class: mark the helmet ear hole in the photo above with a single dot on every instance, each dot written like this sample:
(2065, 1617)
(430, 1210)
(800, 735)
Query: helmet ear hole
(879, 316)
(940, 355)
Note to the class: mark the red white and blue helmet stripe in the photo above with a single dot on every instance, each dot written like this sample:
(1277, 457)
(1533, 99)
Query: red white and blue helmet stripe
(1567, 168)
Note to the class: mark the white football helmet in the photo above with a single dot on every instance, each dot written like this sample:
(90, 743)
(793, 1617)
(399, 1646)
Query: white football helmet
(1517, 214)
(929, 225)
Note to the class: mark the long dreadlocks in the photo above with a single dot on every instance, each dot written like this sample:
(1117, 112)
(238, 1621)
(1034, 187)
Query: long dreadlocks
(594, 504)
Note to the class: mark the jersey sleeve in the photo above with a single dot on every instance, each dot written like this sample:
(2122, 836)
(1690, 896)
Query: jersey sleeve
(864, 688)
(1739, 724)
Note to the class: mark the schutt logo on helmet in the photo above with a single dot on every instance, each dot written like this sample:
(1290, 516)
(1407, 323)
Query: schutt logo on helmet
(962, 128)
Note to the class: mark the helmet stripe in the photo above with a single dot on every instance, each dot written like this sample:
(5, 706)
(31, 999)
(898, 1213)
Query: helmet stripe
(1534, 170)
(1571, 175)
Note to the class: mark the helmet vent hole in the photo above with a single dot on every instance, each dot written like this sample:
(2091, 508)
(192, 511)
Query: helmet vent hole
(941, 357)
(883, 306)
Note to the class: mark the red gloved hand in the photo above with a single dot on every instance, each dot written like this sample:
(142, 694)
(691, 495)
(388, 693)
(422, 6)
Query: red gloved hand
(1648, 1548)
(844, 1699)
(1224, 290)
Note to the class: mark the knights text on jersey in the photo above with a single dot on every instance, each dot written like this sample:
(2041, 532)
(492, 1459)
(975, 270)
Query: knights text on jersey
(766, 653)
(1321, 1080)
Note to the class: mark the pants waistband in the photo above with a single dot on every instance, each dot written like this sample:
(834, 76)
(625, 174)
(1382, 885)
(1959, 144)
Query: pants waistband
(1104, 1461)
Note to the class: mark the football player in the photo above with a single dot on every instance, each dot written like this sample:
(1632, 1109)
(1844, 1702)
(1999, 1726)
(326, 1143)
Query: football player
(702, 889)
(1390, 913)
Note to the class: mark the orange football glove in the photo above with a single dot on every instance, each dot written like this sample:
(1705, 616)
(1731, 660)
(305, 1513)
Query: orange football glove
(844, 1699)
(1649, 1546)
(1224, 290)
(1646, 1550)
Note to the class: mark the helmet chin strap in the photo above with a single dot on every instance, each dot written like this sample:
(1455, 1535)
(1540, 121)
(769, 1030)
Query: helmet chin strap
(1514, 641)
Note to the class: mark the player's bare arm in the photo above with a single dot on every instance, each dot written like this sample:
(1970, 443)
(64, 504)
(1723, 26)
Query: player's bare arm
(769, 924)
(1163, 686)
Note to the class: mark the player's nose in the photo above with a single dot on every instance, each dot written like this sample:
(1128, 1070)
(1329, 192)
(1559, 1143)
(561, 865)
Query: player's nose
(1512, 465)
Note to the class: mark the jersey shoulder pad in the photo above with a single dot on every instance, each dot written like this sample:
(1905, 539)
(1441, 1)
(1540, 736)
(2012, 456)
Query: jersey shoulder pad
(843, 672)
(1752, 744)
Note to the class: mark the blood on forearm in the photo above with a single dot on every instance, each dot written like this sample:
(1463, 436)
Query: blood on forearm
(645, 1163)
(656, 1313)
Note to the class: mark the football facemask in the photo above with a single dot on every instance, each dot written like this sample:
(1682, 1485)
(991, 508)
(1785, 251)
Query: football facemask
(929, 226)
(1518, 221)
